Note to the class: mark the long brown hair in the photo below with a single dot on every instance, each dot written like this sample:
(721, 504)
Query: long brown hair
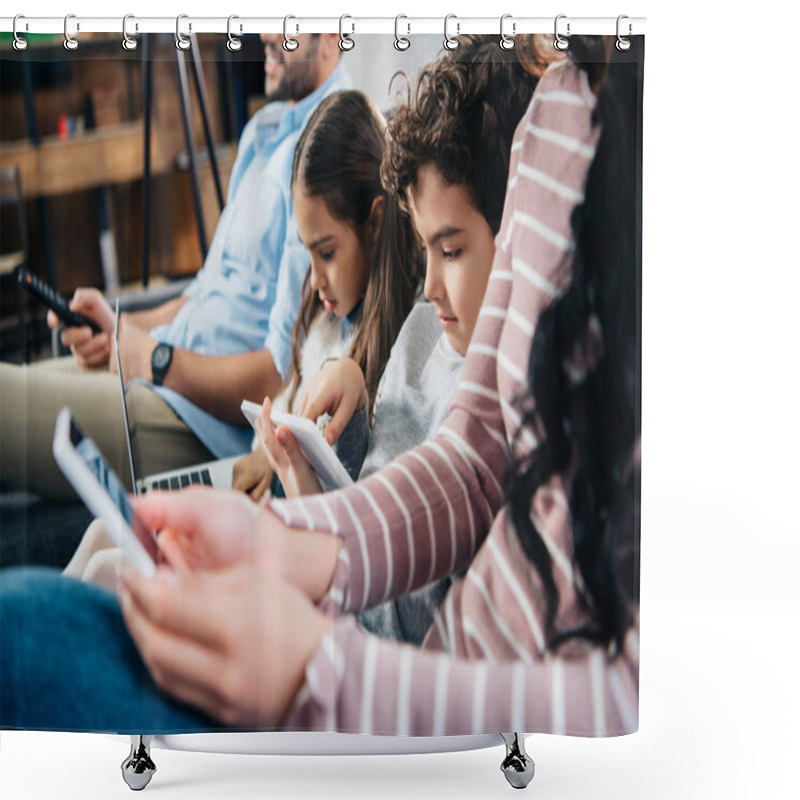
(338, 158)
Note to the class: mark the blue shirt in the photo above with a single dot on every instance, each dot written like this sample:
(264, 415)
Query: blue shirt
(247, 295)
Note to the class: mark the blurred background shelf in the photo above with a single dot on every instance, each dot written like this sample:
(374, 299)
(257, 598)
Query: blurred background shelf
(113, 154)
(73, 128)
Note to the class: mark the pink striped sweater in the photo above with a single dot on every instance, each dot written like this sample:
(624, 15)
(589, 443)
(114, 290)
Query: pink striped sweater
(438, 510)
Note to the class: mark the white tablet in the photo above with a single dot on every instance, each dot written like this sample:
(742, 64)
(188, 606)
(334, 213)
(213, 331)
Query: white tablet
(319, 453)
(104, 495)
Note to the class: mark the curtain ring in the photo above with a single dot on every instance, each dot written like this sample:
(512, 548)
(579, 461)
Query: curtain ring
(233, 44)
(70, 42)
(182, 42)
(290, 44)
(561, 43)
(401, 42)
(623, 43)
(128, 42)
(20, 42)
(507, 42)
(451, 42)
(346, 41)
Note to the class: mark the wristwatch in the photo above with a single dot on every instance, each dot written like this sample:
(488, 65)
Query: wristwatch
(160, 361)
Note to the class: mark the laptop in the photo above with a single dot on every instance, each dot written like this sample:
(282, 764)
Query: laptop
(218, 474)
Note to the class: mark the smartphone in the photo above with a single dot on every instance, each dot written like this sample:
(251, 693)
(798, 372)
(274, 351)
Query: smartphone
(104, 494)
(322, 457)
(53, 300)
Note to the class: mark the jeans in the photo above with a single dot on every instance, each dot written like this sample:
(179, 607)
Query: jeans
(67, 663)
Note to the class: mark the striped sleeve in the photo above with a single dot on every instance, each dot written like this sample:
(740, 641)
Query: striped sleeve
(392, 523)
(358, 683)
(419, 519)
(426, 514)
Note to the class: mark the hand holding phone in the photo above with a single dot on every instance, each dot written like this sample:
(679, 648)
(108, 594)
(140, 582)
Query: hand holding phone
(49, 297)
(327, 466)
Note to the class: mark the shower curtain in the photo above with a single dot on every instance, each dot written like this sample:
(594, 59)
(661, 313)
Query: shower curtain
(483, 575)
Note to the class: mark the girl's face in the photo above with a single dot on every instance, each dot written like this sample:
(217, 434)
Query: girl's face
(459, 247)
(338, 255)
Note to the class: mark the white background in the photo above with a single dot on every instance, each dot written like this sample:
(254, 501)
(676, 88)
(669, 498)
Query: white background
(720, 603)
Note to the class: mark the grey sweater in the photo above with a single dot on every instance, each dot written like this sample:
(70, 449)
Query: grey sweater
(412, 401)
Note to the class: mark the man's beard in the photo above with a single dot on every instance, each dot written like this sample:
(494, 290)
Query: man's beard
(299, 76)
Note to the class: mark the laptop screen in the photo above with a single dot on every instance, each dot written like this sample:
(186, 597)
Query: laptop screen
(124, 399)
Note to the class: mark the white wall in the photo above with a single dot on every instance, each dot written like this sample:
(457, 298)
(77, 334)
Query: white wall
(374, 57)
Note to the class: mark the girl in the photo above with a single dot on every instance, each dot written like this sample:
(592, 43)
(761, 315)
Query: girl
(366, 267)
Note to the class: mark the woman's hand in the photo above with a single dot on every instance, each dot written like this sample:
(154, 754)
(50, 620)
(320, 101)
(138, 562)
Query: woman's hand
(285, 457)
(208, 529)
(338, 389)
(202, 528)
(252, 474)
(233, 643)
(90, 349)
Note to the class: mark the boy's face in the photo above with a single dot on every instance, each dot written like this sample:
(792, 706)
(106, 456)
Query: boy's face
(459, 247)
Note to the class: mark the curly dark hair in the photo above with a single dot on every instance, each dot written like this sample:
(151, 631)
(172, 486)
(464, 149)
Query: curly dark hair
(461, 118)
(589, 428)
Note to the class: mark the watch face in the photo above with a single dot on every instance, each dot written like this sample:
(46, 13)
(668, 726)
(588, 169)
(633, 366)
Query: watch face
(161, 356)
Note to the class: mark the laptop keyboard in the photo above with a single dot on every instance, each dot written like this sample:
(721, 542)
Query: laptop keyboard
(197, 477)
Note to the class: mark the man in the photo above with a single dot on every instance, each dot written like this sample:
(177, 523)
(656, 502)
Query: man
(192, 360)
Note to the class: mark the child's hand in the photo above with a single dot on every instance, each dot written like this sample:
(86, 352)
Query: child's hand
(340, 390)
(285, 457)
(252, 474)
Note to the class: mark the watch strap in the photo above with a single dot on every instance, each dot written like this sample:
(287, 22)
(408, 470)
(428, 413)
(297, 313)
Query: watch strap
(160, 362)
